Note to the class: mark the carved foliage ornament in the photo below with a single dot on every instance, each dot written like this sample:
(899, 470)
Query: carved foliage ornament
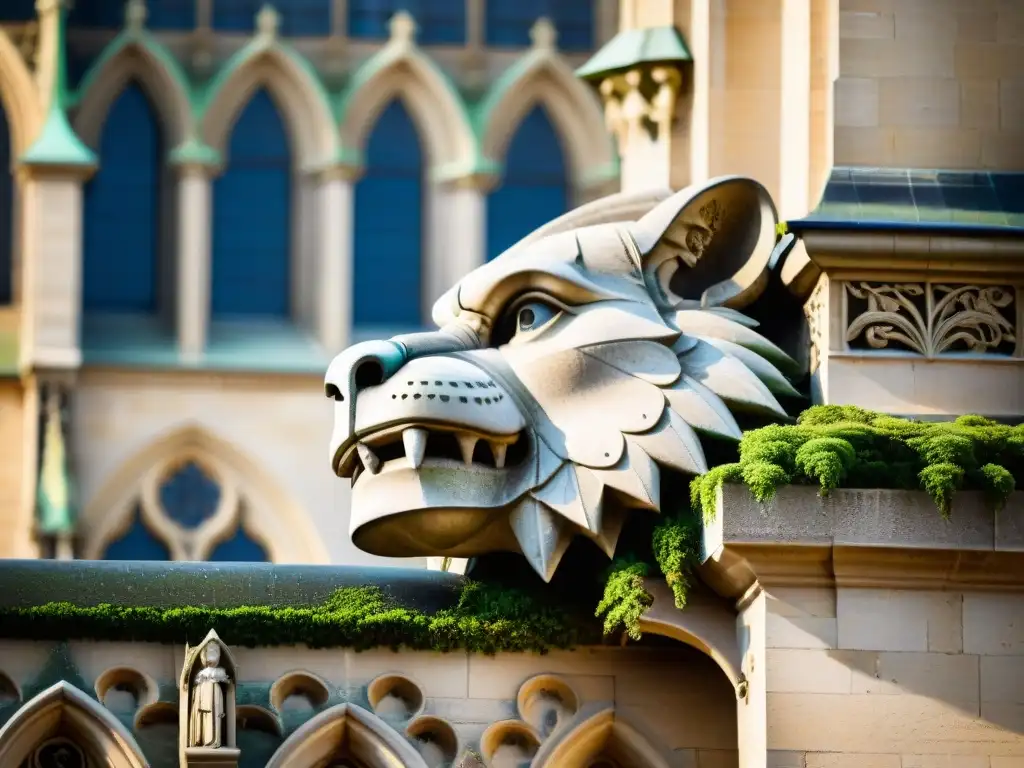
(932, 318)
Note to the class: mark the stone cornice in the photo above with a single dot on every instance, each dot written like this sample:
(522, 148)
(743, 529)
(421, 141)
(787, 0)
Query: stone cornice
(861, 538)
(913, 255)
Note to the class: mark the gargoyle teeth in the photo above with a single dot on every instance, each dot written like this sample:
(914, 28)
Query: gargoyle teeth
(467, 444)
(415, 441)
(370, 461)
(498, 451)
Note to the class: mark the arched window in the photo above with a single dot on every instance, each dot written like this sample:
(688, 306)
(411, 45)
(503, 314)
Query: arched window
(299, 18)
(388, 265)
(439, 22)
(6, 211)
(508, 22)
(252, 217)
(121, 237)
(188, 496)
(535, 187)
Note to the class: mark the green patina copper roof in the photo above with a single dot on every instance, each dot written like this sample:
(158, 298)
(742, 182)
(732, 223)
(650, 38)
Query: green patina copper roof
(918, 199)
(54, 514)
(654, 45)
(58, 144)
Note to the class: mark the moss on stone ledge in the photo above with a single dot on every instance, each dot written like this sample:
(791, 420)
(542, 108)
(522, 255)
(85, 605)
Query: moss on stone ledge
(484, 619)
(847, 447)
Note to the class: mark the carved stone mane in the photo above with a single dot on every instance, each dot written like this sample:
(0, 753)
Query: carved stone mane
(567, 374)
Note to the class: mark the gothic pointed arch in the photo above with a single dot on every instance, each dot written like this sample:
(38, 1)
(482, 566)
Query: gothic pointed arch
(602, 739)
(346, 730)
(400, 70)
(64, 711)
(543, 77)
(19, 96)
(233, 509)
(295, 88)
(134, 57)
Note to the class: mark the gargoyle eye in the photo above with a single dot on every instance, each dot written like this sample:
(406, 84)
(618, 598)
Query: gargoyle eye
(534, 315)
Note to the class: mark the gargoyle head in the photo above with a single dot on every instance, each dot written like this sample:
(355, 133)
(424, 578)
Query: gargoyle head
(566, 375)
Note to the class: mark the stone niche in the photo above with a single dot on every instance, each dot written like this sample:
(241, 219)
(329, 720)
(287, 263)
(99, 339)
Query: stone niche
(206, 704)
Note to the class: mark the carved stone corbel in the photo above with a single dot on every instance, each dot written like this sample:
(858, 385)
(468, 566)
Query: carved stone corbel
(640, 101)
(206, 706)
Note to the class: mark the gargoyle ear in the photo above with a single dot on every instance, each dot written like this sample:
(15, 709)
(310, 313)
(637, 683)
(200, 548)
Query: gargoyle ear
(710, 243)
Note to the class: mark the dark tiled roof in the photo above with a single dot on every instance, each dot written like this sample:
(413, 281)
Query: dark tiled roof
(901, 198)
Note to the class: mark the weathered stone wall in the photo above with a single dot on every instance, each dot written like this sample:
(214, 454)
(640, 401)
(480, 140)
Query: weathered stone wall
(930, 84)
(895, 679)
(675, 698)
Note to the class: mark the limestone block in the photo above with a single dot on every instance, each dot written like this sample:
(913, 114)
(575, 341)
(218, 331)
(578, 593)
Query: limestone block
(938, 147)
(891, 58)
(838, 760)
(873, 724)
(1002, 679)
(1010, 27)
(899, 620)
(945, 761)
(990, 61)
(1011, 101)
(865, 146)
(979, 26)
(866, 25)
(949, 677)
(919, 101)
(993, 624)
(1006, 762)
(979, 104)
(856, 102)
(794, 670)
(1003, 151)
(785, 759)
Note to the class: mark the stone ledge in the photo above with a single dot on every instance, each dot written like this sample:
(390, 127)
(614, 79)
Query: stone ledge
(855, 537)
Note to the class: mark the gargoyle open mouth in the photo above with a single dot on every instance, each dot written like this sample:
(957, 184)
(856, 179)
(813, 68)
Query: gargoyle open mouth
(565, 377)
(415, 445)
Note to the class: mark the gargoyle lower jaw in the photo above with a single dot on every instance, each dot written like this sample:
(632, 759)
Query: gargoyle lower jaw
(416, 444)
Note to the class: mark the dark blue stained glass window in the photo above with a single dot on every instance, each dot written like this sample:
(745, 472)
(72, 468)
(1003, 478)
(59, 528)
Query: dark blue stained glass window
(252, 215)
(535, 187)
(190, 496)
(17, 10)
(6, 210)
(298, 18)
(508, 22)
(388, 265)
(240, 547)
(171, 14)
(121, 211)
(97, 14)
(439, 22)
(137, 543)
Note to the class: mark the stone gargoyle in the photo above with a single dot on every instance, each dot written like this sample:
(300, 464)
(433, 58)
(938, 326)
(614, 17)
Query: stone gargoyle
(566, 375)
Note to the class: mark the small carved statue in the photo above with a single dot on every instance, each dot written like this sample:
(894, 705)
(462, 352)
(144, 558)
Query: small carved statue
(206, 718)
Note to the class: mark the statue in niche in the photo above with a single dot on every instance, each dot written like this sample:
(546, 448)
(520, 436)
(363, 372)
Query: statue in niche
(206, 701)
(206, 720)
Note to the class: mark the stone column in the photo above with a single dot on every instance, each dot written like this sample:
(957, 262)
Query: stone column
(735, 100)
(51, 268)
(458, 242)
(192, 308)
(335, 227)
(752, 696)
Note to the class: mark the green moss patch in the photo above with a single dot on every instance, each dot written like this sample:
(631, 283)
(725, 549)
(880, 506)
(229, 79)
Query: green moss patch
(484, 619)
(847, 447)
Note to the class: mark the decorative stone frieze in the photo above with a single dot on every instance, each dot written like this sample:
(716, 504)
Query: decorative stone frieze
(931, 318)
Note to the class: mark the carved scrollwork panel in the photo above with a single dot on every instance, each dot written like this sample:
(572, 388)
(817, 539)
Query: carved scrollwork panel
(932, 319)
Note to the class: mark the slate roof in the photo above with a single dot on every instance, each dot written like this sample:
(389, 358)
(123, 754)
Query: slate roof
(916, 199)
